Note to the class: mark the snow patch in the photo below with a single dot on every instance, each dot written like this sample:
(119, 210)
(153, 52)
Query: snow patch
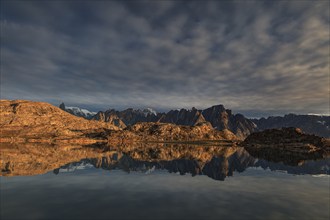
(149, 111)
(321, 175)
(81, 111)
(318, 114)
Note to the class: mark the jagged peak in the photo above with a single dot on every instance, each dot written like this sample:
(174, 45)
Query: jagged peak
(62, 106)
(217, 108)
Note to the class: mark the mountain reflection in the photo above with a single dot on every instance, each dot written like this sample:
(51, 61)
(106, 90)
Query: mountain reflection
(215, 161)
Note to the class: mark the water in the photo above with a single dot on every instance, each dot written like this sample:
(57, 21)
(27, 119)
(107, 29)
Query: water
(215, 183)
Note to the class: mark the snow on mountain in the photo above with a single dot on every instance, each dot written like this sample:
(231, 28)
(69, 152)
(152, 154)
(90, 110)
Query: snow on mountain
(149, 111)
(81, 112)
(318, 114)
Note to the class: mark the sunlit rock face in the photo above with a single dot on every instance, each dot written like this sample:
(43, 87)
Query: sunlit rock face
(152, 131)
(38, 121)
(109, 117)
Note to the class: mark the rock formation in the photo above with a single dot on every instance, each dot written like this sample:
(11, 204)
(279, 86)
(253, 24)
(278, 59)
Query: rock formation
(42, 122)
(183, 117)
(284, 143)
(219, 117)
(23, 121)
(129, 116)
(222, 118)
(154, 131)
(110, 117)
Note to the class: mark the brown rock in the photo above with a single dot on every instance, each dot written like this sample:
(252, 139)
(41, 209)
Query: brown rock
(154, 131)
(286, 142)
(28, 120)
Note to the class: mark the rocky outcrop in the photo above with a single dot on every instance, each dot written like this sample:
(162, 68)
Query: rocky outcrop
(154, 131)
(22, 120)
(222, 118)
(286, 142)
(311, 124)
(109, 117)
(284, 136)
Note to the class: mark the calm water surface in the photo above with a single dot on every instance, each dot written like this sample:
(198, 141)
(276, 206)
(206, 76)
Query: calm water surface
(231, 187)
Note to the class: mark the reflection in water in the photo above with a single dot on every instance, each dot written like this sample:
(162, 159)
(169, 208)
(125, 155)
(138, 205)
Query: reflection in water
(109, 193)
(216, 162)
(217, 168)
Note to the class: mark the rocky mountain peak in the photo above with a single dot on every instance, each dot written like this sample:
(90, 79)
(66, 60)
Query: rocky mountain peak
(222, 118)
(183, 117)
(84, 113)
(62, 106)
(217, 108)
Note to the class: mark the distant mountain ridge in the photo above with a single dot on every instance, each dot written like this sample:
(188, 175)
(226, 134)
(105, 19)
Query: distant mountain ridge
(311, 124)
(126, 117)
(218, 116)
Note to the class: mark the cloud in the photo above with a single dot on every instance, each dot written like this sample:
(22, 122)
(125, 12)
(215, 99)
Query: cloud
(251, 56)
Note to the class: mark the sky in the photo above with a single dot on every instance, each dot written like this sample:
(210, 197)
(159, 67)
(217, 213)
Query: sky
(258, 58)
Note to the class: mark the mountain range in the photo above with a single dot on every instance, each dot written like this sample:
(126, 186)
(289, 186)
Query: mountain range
(311, 124)
(218, 116)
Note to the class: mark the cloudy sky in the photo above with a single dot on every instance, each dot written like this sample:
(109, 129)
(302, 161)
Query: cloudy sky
(257, 58)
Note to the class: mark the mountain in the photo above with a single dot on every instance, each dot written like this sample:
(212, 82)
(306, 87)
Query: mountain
(77, 111)
(28, 121)
(183, 117)
(222, 118)
(22, 120)
(219, 117)
(311, 124)
(127, 117)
